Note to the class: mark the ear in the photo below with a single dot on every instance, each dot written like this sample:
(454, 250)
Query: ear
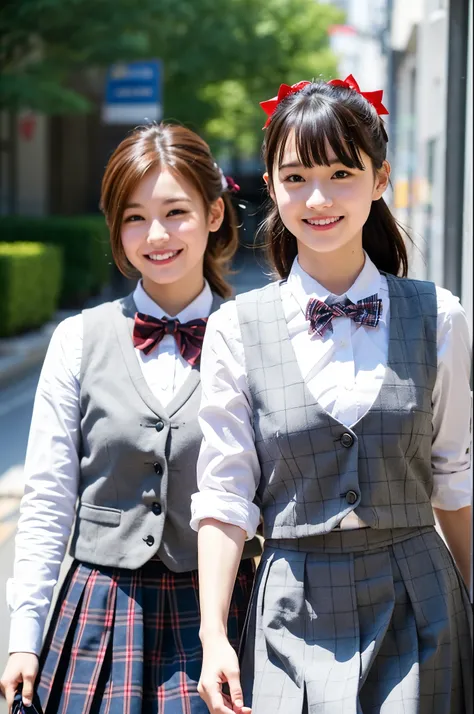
(266, 178)
(216, 215)
(382, 179)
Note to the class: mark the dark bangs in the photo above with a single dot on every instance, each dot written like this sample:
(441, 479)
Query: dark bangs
(324, 117)
(320, 121)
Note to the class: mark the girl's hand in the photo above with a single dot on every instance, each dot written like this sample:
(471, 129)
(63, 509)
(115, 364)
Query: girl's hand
(22, 668)
(220, 665)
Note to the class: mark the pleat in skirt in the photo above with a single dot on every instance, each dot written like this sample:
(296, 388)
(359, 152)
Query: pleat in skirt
(127, 641)
(359, 622)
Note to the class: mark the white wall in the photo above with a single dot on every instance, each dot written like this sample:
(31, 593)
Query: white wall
(423, 27)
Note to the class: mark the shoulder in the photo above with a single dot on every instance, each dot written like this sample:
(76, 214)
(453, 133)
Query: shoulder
(105, 308)
(223, 317)
(65, 348)
(451, 314)
(259, 295)
(410, 287)
(68, 331)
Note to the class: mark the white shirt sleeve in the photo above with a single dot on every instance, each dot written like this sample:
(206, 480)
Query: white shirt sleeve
(451, 450)
(51, 486)
(228, 472)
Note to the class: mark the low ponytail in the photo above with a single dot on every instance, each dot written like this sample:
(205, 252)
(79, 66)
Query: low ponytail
(383, 241)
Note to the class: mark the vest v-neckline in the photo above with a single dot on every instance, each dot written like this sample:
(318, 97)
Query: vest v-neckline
(393, 327)
(124, 330)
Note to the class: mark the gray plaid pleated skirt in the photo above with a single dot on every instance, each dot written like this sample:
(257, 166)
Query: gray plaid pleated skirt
(358, 622)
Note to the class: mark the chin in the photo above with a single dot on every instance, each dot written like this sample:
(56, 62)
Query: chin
(327, 245)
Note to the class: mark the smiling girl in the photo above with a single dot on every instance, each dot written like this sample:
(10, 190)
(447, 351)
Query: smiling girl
(343, 389)
(112, 454)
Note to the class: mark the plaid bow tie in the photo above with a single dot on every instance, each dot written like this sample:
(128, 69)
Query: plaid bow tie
(320, 315)
(149, 331)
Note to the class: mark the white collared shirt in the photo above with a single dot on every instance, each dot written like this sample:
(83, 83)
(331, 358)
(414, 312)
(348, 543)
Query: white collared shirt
(52, 461)
(344, 371)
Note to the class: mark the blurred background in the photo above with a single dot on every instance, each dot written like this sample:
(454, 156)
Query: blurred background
(76, 76)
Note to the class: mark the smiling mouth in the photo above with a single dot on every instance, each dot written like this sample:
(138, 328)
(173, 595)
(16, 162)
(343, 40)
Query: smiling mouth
(165, 257)
(323, 222)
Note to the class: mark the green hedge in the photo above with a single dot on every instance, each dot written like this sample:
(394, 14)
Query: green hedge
(84, 241)
(30, 281)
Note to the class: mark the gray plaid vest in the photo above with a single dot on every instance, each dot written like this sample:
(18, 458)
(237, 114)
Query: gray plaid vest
(137, 458)
(315, 470)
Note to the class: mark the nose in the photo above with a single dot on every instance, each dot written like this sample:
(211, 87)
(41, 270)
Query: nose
(319, 199)
(157, 232)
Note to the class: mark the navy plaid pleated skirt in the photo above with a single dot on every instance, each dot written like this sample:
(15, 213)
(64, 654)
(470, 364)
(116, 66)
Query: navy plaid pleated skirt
(127, 641)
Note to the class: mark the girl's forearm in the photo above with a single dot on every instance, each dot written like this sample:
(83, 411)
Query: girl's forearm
(220, 548)
(456, 527)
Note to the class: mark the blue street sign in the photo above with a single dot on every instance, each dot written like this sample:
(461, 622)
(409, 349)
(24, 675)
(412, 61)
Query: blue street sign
(133, 93)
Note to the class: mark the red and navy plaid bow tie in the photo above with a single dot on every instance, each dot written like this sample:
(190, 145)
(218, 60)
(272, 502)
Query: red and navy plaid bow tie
(149, 331)
(320, 315)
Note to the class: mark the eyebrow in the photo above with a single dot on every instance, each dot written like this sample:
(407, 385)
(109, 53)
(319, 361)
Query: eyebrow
(298, 164)
(167, 201)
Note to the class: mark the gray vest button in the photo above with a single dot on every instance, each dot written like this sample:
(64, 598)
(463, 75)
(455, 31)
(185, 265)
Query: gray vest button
(158, 468)
(149, 540)
(347, 440)
(156, 508)
(159, 426)
(351, 497)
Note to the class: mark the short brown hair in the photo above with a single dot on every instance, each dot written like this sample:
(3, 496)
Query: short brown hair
(185, 153)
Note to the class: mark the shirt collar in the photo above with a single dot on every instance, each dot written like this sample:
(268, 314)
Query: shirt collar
(303, 286)
(200, 307)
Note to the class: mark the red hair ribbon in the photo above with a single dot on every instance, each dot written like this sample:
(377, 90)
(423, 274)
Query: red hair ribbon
(270, 105)
(375, 98)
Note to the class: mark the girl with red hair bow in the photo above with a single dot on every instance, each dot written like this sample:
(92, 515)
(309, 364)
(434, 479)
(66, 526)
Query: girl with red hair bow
(343, 392)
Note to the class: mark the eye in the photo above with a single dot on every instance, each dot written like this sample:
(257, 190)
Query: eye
(293, 178)
(133, 218)
(341, 174)
(175, 212)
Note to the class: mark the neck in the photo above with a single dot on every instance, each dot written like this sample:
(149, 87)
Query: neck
(174, 297)
(336, 271)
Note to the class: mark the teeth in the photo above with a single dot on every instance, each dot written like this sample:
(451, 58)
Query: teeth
(323, 221)
(163, 256)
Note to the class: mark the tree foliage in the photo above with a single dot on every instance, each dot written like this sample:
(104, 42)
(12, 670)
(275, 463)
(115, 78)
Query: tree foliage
(220, 59)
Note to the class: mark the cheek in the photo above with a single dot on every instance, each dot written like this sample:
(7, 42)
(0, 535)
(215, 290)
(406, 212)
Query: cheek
(194, 233)
(286, 201)
(132, 236)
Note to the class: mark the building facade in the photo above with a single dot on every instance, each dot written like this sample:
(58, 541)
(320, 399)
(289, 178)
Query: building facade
(431, 135)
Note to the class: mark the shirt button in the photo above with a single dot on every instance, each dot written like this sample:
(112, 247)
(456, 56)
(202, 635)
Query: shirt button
(347, 440)
(159, 426)
(351, 497)
(156, 508)
(158, 468)
(149, 540)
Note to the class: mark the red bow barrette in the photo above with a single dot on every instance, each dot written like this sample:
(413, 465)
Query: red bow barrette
(375, 98)
(270, 105)
(231, 185)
